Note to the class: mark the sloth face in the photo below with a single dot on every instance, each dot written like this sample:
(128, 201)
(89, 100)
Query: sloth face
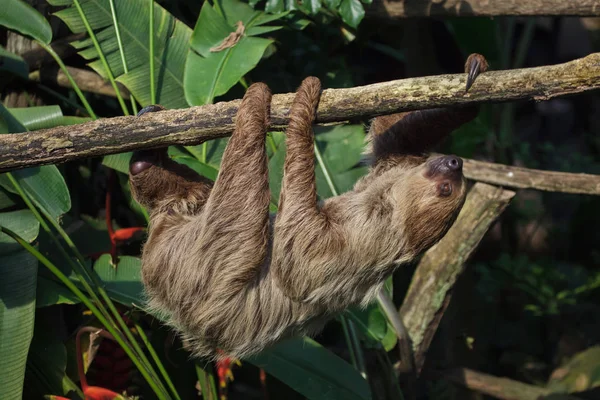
(430, 198)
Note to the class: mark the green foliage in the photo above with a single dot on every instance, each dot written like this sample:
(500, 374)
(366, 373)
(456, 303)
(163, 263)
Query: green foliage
(18, 269)
(213, 68)
(315, 373)
(548, 285)
(351, 11)
(21, 17)
(171, 39)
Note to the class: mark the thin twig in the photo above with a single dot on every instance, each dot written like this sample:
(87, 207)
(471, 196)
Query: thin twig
(431, 287)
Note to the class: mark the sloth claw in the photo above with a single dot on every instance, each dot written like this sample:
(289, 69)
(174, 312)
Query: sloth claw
(475, 65)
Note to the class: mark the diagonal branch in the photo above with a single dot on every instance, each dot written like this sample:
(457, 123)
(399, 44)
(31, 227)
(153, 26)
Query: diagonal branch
(197, 124)
(431, 287)
(488, 8)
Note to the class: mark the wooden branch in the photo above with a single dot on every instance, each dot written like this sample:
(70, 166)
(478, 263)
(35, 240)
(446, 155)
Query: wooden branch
(431, 287)
(37, 56)
(524, 178)
(87, 80)
(500, 388)
(486, 8)
(197, 124)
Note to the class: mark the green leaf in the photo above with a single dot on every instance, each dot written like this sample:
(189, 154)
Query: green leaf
(171, 39)
(21, 17)
(50, 292)
(33, 118)
(313, 371)
(123, 282)
(332, 4)
(274, 6)
(352, 12)
(209, 74)
(17, 314)
(47, 360)
(341, 147)
(45, 185)
(13, 63)
(24, 223)
(118, 162)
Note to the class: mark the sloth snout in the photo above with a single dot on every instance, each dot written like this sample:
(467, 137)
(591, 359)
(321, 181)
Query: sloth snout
(453, 163)
(446, 166)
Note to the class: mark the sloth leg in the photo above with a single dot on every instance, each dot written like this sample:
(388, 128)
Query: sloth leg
(159, 182)
(415, 132)
(299, 191)
(302, 231)
(236, 215)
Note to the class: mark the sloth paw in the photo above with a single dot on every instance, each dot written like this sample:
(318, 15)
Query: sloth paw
(475, 65)
(144, 159)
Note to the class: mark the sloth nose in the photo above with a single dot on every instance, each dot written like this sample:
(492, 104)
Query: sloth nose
(453, 163)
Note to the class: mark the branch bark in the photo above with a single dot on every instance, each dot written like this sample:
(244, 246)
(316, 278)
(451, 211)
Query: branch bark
(525, 178)
(431, 287)
(487, 8)
(500, 388)
(198, 124)
(87, 80)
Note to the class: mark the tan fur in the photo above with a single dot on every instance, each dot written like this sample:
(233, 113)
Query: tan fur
(229, 276)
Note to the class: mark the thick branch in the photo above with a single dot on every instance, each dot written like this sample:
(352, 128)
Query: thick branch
(524, 178)
(489, 8)
(431, 287)
(500, 388)
(87, 80)
(197, 124)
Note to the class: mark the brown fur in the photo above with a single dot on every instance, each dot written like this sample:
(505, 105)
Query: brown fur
(228, 275)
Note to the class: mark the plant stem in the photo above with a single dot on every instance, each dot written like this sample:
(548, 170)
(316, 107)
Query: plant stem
(122, 51)
(151, 52)
(63, 67)
(157, 361)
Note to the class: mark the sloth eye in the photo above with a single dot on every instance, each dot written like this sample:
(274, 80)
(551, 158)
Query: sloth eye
(445, 189)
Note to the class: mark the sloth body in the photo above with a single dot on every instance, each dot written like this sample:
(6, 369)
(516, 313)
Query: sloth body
(228, 275)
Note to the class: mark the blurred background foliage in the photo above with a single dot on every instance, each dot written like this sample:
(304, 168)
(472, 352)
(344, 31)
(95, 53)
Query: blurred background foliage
(528, 306)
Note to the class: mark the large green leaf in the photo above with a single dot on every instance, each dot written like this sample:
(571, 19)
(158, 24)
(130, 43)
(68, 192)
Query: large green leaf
(312, 371)
(171, 39)
(210, 73)
(13, 63)
(18, 271)
(123, 282)
(23, 18)
(47, 359)
(44, 185)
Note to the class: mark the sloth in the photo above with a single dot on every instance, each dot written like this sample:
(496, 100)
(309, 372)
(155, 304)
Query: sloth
(234, 279)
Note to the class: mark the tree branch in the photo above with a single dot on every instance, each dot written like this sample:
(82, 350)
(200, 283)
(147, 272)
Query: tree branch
(431, 286)
(525, 178)
(197, 124)
(500, 388)
(87, 80)
(488, 8)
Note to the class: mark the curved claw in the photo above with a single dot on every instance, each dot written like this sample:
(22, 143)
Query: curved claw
(475, 65)
(150, 108)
